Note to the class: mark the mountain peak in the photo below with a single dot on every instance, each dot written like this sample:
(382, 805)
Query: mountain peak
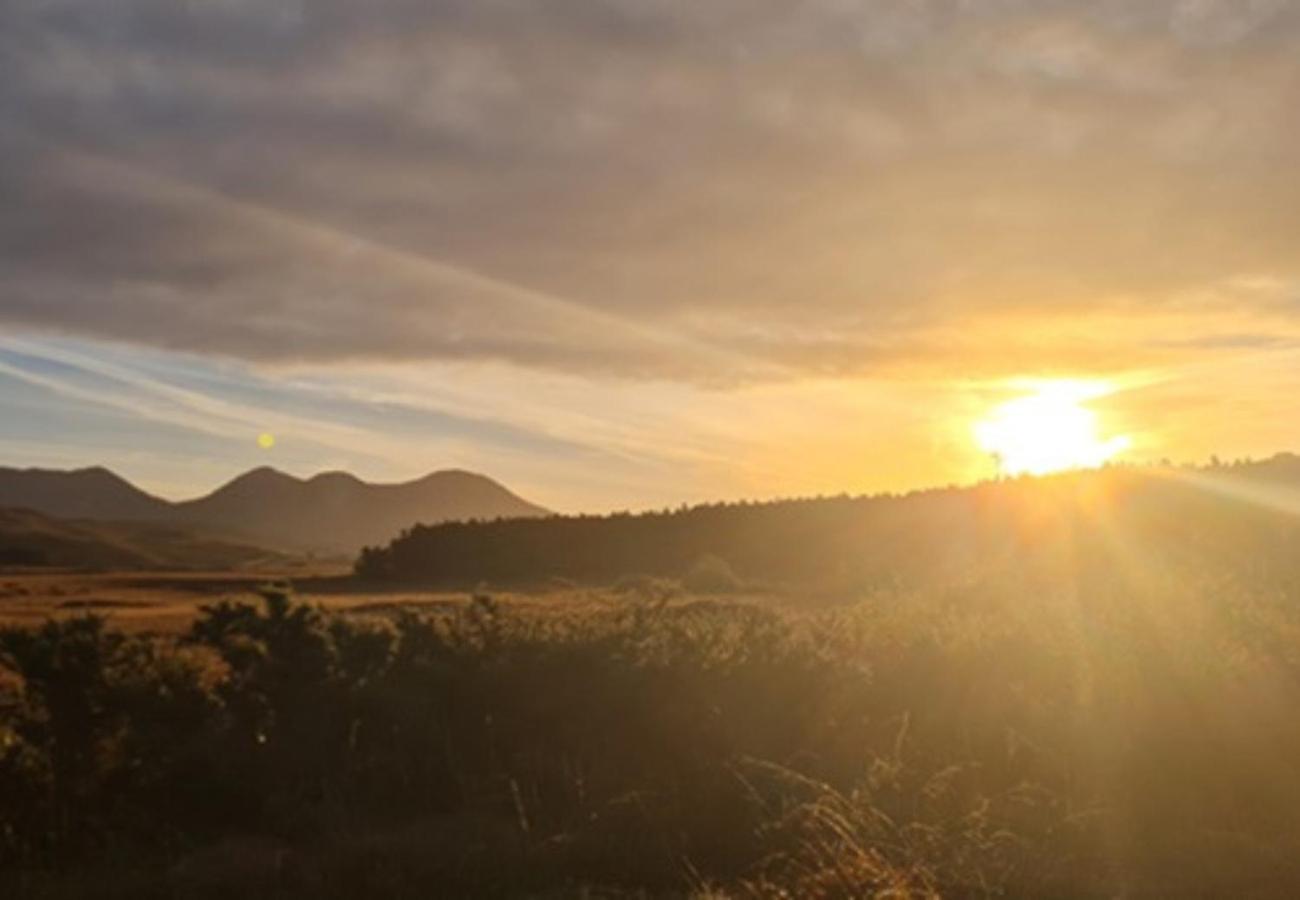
(267, 472)
(453, 475)
(331, 510)
(336, 510)
(334, 477)
(262, 475)
(91, 493)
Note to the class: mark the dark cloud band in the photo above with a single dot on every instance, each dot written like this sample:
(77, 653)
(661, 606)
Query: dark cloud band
(713, 192)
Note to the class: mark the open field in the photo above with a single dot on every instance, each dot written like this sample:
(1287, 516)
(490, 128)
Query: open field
(163, 602)
(974, 740)
(167, 603)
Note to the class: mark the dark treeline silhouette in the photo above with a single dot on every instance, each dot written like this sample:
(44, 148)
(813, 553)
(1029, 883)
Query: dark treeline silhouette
(1201, 517)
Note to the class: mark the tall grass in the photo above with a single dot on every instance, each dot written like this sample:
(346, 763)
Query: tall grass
(988, 740)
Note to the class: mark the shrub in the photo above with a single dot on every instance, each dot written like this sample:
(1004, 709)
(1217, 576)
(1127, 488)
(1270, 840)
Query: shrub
(962, 743)
(712, 575)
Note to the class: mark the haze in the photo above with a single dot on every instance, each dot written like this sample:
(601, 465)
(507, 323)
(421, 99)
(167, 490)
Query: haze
(631, 254)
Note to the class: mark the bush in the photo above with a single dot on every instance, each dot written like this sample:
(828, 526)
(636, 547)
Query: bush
(961, 744)
(712, 575)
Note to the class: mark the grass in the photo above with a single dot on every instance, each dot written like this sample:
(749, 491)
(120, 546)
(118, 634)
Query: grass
(983, 739)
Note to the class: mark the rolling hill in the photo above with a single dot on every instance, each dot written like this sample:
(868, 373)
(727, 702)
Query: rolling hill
(332, 512)
(29, 538)
(338, 511)
(1084, 528)
(93, 493)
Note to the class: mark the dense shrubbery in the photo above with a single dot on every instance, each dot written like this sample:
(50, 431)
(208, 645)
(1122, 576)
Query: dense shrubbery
(961, 743)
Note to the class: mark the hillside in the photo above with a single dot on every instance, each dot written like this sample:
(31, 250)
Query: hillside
(29, 538)
(94, 493)
(1086, 525)
(333, 512)
(336, 510)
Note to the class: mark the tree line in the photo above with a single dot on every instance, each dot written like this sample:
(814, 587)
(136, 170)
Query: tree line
(860, 543)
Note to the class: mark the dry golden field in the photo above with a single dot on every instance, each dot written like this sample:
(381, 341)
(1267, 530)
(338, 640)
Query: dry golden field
(168, 602)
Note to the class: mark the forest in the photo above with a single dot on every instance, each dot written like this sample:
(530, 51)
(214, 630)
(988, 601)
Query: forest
(1189, 520)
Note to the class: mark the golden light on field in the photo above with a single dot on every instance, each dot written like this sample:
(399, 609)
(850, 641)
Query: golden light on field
(1049, 430)
(266, 440)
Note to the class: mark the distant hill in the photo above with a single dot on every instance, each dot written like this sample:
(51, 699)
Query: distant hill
(79, 494)
(339, 511)
(331, 512)
(1083, 529)
(29, 538)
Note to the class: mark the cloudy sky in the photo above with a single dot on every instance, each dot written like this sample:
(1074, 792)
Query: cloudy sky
(628, 253)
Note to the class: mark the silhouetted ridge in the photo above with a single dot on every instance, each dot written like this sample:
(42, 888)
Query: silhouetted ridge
(1220, 516)
(333, 511)
(1284, 467)
(335, 478)
(263, 474)
(94, 493)
(336, 510)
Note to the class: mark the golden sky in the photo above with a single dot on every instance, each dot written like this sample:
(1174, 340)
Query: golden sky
(620, 254)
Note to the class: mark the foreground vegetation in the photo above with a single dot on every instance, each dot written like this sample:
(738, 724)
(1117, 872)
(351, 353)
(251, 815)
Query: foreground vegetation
(992, 738)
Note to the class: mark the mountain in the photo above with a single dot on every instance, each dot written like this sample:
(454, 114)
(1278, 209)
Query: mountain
(334, 511)
(80, 494)
(29, 538)
(338, 511)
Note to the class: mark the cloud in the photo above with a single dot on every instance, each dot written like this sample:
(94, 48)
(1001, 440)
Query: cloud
(718, 193)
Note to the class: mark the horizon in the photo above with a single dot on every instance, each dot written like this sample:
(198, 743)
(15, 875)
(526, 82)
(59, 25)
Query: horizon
(620, 257)
(1214, 463)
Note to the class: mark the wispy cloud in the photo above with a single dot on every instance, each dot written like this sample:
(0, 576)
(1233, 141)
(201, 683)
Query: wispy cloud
(635, 253)
(394, 424)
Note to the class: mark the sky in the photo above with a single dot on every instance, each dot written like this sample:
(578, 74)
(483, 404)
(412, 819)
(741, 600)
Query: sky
(622, 254)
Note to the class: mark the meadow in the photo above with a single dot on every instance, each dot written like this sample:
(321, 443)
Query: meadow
(644, 741)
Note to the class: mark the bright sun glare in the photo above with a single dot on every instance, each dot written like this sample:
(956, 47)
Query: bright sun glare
(1049, 430)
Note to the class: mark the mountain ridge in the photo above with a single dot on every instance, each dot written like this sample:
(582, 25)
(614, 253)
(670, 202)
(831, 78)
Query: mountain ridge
(331, 511)
(1225, 518)
(94, 493)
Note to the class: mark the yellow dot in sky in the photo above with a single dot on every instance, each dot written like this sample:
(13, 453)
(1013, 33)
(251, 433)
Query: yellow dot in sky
(266, 440)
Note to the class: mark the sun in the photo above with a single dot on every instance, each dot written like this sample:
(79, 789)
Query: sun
(1049, 430)
(266, 440)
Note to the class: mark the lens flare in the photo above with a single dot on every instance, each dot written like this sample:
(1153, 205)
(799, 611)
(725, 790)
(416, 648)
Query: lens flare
(1049, 430)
